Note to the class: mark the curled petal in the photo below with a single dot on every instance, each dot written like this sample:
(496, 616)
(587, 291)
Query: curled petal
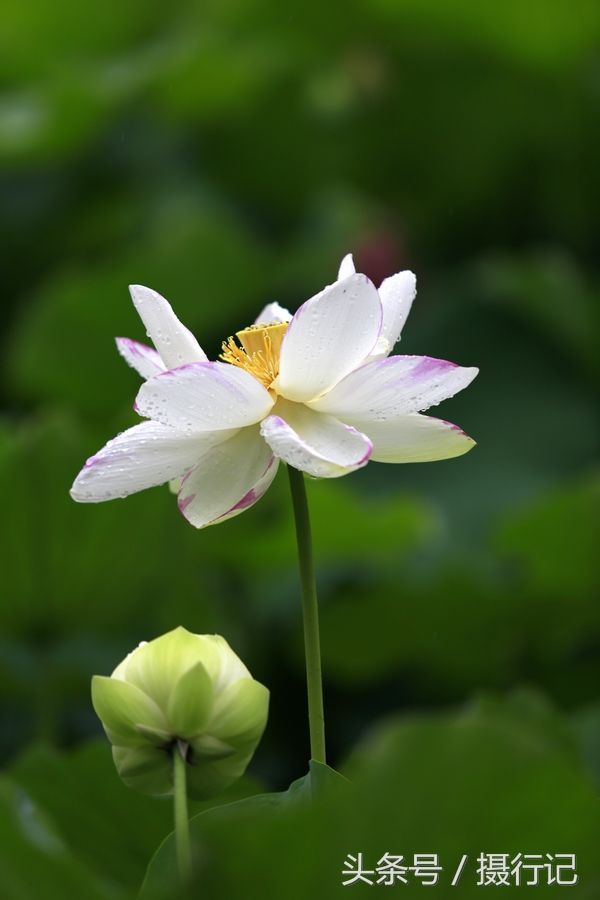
(144, 456)
(314, 443)
(175, 343)
(394, 386)
(204, 396)
(397, 294)
(228, 481)
(328, 337)
(140, 357)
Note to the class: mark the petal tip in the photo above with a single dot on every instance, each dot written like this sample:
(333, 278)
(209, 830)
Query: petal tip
(366, 457)
(78, 492)
(368, 446)
(346, 267)
(140, 292)
(411, 279)
(184, 502)
(468, 441)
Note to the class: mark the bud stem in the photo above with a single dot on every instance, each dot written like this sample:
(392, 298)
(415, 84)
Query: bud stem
(310, 612)
(182, 824)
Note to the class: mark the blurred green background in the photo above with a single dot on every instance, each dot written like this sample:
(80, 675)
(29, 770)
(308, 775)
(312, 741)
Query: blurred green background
(228, 154)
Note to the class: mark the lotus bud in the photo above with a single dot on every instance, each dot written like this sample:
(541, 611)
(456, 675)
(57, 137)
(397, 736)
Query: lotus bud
(187, 693)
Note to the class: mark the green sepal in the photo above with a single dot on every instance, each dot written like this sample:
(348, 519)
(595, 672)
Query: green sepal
(209, 747)
(190, 703)
(157, 736)
(146, 769)
(240, 713)
(122, 708)
(157, 666)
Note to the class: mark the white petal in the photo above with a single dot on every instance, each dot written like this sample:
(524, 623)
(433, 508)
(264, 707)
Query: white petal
(204, 396)
(346, 267)
(394, 386)
(415, 438)
(228, 479)
(328, 337)
(317, 444)
(397, 294)
(175, 343)
(272, 313)
(143, 359)
(144, 456)
(381, 348)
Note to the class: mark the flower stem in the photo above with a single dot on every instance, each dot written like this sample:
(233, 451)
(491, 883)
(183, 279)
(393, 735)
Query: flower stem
(182, 824)
(310, 613)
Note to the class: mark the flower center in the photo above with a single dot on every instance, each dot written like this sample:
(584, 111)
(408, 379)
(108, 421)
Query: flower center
(256, 350)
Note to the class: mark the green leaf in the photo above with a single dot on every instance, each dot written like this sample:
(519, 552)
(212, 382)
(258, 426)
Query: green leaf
(163, 871)
(495, 775)
(110, 828)
(34, 859)
(320, 781)
(529, 711)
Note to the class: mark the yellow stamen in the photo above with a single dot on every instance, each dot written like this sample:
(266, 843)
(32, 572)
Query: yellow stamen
(259, 351)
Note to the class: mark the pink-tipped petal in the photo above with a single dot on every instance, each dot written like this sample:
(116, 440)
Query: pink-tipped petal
(146, 361)
(227, 480)
(314, 443)
(394, 386)
(415, 438)
(144, 456)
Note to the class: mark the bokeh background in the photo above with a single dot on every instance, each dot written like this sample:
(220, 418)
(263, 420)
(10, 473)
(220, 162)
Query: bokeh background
(228, 154)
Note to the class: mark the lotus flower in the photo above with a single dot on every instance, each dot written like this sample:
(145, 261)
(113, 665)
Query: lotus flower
(317, 390)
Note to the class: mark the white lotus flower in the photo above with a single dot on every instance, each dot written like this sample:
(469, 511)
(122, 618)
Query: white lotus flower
(316, 390)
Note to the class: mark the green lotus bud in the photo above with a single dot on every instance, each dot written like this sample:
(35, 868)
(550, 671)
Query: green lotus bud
(185, 692)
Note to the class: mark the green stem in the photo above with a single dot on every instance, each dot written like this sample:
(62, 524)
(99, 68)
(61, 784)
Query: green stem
(310, 612)
(182, 823)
